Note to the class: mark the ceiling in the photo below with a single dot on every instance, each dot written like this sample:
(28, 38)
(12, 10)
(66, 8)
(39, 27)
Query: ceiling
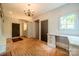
(39, 8)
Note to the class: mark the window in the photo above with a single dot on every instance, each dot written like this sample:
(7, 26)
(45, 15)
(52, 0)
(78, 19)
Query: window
(25, 26)
(67, 22)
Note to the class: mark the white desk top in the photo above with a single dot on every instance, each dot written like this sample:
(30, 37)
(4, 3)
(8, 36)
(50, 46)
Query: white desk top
(72, 39)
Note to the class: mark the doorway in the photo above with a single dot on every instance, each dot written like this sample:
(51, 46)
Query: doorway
(37, 29)
(25, 28)
(44, 30)
(15, 30)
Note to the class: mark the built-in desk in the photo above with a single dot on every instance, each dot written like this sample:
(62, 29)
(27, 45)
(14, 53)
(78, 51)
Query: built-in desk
(73, 40)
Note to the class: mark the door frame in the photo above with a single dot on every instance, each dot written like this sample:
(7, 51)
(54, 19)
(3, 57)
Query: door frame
(38, 27)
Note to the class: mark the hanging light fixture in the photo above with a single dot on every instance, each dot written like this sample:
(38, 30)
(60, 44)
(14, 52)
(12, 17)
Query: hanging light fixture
(29, 12)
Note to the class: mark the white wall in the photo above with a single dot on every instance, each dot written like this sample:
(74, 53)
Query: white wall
(31, 29)
(53, 16)
(0, 26)
(12, 17)
(53, 19)
(7, 26)
(2, 38)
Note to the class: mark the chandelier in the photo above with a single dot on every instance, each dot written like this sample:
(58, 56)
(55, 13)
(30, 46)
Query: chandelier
(28, 12)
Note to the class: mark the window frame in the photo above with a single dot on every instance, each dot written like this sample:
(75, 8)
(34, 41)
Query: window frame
(66, 23)
(74, 31)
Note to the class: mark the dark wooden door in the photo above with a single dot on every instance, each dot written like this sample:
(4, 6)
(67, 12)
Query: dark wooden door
(15, 29)
(44, 30)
